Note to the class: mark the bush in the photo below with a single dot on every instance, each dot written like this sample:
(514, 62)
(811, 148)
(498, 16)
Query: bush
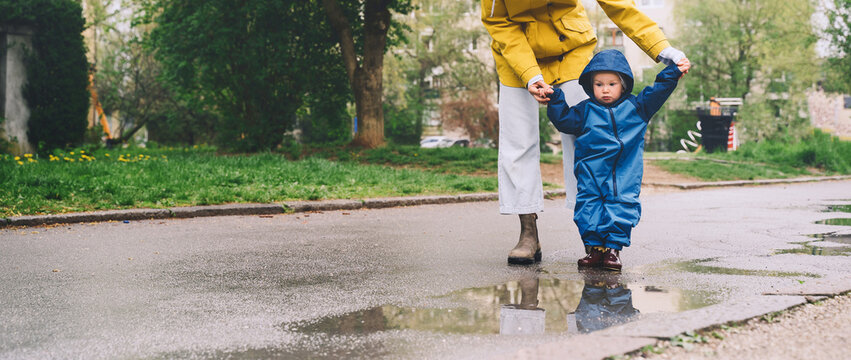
(57, 70)
(815, 150)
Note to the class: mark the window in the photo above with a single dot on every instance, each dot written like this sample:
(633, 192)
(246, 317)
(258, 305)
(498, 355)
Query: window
(617, 37)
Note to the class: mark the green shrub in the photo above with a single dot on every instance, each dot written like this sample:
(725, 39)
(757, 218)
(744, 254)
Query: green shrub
(817, 149)
(57, 70)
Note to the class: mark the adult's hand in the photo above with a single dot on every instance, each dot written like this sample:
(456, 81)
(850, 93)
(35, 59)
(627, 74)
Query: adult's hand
(541, 91)
(684, 65)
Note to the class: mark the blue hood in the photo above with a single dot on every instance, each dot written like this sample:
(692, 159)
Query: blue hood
(607, 60)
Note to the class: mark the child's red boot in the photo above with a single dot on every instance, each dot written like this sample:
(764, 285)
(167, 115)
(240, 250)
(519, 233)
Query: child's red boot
(594, 259)
(611, 260)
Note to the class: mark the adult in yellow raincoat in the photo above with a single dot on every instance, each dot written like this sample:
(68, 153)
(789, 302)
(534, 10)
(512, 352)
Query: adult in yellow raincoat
(538, 44)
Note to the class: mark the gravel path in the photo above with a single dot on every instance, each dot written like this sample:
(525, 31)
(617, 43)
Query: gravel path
(820, 330)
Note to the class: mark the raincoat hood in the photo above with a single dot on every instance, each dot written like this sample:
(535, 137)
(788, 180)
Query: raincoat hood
(607, 60)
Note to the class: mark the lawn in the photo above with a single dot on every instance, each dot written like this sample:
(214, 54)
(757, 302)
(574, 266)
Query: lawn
(158, 178)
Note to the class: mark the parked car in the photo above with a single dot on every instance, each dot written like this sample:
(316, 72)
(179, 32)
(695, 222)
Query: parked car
(436, 142)
(461, 143)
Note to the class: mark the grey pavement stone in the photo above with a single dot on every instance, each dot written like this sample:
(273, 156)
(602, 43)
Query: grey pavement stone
(816, 287)
(665, 326)
(478, 197)
(112, 215)
(549, 194)
(229, 209)
(325, 205)
(586, 346)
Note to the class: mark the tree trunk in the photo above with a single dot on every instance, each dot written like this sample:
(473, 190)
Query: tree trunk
(365, 78)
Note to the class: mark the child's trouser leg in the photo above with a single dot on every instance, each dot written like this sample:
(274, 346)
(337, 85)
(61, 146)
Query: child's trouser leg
(519, 176)
(619, 219)
(588, 213)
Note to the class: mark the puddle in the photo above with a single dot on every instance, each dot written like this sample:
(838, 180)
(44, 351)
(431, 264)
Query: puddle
(836, 221)
(695, 266)
(828, 244)
(527, 306)
(839, 208)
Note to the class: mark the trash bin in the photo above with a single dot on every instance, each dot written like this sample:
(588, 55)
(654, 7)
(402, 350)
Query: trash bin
(715, 126)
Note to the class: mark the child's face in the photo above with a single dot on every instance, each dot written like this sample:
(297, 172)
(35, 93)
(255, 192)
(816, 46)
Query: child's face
(607, 87)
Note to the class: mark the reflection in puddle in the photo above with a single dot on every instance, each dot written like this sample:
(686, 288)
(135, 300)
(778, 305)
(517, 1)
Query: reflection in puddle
(839, 208)
(695, 266)
(836, 221)
(829, 244)
(529, 305)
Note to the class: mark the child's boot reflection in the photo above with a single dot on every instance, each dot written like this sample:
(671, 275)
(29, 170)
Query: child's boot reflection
(605, 302)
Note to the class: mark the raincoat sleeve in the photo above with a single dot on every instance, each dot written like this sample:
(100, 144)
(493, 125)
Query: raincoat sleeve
(636, 25)
(651, 99)
(509, 39)
(565, 118)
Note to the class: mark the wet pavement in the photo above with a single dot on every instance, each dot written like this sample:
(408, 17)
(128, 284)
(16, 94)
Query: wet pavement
(418, 282)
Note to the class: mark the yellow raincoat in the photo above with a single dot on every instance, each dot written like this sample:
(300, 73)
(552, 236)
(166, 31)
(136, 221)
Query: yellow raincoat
(554, 38)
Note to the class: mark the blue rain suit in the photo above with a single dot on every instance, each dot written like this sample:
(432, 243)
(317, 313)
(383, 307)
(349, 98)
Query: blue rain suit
(601, 307)
(609, 149)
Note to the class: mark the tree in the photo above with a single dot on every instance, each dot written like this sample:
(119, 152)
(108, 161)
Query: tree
(759, 50)
(362, 32)
(251, 62)
(838, 33)
(129, 85)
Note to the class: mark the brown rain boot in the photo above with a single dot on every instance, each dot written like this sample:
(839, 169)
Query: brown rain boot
(528, 249)
(611, 260)
(594, 259)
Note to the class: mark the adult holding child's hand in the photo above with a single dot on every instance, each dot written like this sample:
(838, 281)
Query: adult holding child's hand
(536, 45)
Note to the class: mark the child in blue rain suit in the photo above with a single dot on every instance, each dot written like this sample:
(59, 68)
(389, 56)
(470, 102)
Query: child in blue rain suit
(609, 129)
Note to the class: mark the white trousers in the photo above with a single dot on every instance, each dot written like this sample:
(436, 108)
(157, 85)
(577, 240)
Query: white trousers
(519, 177)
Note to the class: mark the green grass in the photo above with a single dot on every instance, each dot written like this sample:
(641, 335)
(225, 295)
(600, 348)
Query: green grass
(164, 178)
(815, 155)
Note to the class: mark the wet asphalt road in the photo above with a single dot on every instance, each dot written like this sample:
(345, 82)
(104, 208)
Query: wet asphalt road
(418, 282)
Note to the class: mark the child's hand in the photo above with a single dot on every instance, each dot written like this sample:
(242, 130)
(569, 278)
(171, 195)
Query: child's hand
(684, 65)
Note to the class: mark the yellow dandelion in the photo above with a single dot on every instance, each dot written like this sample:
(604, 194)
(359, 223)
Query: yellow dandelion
(107, 154)
(28, 155)
(20, 163)
(17, 158)
(72, 153)
(82, 151)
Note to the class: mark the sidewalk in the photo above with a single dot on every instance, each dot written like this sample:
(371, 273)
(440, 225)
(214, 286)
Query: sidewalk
(331, 205)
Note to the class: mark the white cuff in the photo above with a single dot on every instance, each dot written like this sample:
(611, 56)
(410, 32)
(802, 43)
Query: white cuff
(670, 56)
(535, 79)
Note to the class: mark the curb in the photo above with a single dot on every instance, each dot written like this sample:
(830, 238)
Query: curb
(331, 205)
(250, 209)
(689, 186)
